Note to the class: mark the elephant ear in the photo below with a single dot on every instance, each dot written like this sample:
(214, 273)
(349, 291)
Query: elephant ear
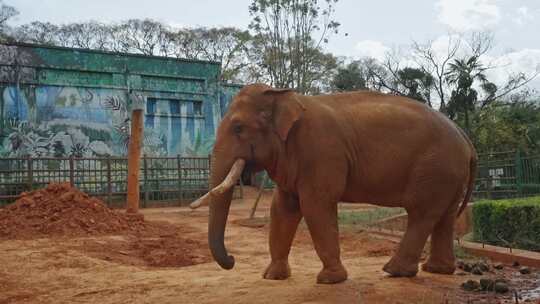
(287, 109)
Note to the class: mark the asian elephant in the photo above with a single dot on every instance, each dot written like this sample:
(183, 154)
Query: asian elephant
(349, 147)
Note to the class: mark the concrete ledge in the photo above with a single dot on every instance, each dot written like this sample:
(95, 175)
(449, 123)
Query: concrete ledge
(500, 254)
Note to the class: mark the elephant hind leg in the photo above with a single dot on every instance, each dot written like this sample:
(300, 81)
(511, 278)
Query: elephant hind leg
(426, 210)
(405, 262)
(441, 258)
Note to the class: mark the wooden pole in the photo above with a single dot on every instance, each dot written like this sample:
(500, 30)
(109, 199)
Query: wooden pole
(261, 189)
(134, 161)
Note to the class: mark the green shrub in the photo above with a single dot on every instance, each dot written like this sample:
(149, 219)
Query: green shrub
(508, 223)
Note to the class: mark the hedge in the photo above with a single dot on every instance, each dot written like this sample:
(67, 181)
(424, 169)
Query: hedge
(508, 223)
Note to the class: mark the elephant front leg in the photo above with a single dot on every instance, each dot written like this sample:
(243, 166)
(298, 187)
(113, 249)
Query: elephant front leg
(284, 218)
(321, 218)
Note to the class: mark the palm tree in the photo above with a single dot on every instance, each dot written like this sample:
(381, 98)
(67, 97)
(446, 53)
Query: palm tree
(462, 73)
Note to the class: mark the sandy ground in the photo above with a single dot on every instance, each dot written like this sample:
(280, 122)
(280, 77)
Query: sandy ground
(101, 270)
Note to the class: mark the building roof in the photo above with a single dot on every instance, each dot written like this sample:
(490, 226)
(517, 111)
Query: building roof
(35, 45)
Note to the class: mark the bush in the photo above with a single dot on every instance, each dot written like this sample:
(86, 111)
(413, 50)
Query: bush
(508, 223)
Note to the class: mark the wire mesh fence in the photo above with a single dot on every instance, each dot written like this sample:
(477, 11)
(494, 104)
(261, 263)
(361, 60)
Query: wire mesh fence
(168, 180)
(507, 175)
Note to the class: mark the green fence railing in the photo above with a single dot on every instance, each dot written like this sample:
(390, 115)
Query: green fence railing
(167, 180)
(507, 174)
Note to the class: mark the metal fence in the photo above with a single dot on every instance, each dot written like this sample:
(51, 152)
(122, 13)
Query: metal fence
(178, 180)
(168, 180)
(507, 174)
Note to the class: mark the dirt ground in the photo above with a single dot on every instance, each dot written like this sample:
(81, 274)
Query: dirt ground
(124, 269)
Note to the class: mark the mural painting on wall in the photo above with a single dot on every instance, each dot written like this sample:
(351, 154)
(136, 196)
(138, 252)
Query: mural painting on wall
(44, 120)
(180, 123)
(64, 121)
(61, 122)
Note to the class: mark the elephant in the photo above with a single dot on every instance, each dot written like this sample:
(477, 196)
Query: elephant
(363, 146)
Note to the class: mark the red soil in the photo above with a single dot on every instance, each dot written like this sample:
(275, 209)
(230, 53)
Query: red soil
(60, 210)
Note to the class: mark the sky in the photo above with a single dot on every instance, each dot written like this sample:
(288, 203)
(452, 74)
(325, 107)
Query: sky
(368, 28)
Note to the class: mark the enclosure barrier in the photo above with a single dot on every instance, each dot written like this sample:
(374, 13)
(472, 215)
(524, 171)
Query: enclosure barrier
(507, 175)
(170, 181)
(164, 181)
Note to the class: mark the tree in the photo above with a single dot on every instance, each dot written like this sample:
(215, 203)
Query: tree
(462, 73)
(146, 36)
(321, 73)
(438, 64)
(86, 35)
(407, 81)
(389, 76)
(416, 83)
(38, 32)
(349, 78)
(228, 45)
(6, 12)
(288, 38)
(508, 125)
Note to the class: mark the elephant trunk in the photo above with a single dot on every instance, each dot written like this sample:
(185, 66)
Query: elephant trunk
(223, 177)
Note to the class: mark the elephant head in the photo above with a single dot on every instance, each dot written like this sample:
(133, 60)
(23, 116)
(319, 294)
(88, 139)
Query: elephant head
(252, 133)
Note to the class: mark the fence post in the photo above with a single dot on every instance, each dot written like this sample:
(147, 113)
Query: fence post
(109, 181)
(180, 192)
(30, 172)
(209, 169)
(71, 173)
(488, 187)
(519, 172)
(134, 161)
(145, 180)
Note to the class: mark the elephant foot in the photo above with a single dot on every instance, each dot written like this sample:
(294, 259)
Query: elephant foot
(332, 275)
(277, 270)
(440, 268)
(395, 268)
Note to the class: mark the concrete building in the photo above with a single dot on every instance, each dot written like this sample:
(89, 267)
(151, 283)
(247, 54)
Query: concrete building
(74, 102)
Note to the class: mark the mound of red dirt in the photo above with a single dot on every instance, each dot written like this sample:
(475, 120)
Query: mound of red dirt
(60, 210)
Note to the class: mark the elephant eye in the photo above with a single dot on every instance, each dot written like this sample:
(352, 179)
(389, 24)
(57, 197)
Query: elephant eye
(237, 129)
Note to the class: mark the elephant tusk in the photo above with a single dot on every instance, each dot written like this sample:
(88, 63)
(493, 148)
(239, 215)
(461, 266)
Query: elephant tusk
(228, 183)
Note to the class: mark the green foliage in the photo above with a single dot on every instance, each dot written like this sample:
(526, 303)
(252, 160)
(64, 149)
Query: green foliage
(462, 73)
(288, 38)
(349, 78)
(500, 127)
(417, 84)
(513, 222)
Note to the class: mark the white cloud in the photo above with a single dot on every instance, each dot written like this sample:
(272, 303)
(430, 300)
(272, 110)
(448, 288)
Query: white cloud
(523, 15)
(463, 15)
(525, 61)
(442, 45)
(371, 48)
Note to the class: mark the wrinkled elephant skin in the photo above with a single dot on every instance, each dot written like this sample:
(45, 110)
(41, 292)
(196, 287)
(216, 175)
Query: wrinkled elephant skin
(352, 147)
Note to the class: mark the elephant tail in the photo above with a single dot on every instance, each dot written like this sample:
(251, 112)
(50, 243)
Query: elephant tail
(470, 183)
